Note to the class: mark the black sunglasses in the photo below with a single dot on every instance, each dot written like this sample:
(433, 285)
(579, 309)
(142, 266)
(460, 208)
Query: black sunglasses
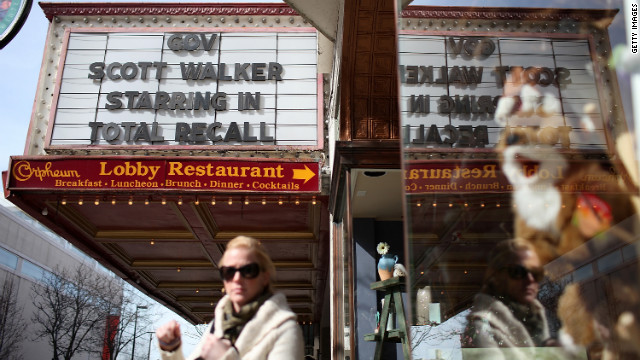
(249, 271)
(519, 272)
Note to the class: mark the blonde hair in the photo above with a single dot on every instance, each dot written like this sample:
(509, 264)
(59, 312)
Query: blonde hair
(255, 247)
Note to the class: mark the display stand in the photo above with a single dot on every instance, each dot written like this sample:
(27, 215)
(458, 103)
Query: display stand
(392, 289)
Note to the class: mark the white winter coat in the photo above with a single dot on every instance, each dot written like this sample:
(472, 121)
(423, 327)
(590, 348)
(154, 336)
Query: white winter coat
(272, 333)
(499, 335)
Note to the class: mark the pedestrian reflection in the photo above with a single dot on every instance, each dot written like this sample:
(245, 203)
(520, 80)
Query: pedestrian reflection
(506, 313)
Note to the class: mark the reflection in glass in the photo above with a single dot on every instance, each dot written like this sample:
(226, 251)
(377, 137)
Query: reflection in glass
(341, 325)
(8, 259)
(33, 271)
(515, 124)
(346, 307)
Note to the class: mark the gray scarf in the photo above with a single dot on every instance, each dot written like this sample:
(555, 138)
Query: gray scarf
(233, 323)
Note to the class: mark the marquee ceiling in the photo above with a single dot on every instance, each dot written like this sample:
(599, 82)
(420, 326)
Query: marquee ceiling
(169, 245)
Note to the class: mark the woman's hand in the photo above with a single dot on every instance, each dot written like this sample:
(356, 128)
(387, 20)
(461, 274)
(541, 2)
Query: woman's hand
(214, 347)
(169, 336)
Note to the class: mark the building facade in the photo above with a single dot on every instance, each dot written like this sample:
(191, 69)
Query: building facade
(160, 131)
(29, 253)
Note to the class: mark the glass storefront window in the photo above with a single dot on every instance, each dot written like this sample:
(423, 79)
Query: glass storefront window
(8, 259)
(342, 323)
(346, 301)
(33, 271)
(521, 184)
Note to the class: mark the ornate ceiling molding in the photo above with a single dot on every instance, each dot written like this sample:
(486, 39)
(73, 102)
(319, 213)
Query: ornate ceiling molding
(95, 9)
(496, 13)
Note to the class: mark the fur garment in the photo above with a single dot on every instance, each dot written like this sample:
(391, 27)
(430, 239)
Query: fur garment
(497, 334)
(273, 333)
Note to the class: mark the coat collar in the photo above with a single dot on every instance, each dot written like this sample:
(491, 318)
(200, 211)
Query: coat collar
(271, 314)
(500, 318)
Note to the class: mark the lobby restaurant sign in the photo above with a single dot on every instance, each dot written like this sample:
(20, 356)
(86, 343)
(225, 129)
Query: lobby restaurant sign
(451, 86)
(425, 177)
(219, 88)
(148, 173)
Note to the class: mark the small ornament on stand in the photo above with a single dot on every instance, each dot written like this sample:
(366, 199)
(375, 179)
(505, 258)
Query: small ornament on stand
(399, 270)
(387, 262)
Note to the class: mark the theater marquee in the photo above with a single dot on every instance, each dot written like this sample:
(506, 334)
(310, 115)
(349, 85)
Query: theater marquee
(451, 85)
(251, 88)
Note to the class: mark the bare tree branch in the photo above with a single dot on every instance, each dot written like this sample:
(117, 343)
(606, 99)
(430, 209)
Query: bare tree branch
(72, 307)
(12, 325)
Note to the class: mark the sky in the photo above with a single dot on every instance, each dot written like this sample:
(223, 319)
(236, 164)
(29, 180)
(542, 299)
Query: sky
(20, 64)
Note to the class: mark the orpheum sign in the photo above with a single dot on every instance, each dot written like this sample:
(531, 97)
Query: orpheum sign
(255, 88)
(148, 173)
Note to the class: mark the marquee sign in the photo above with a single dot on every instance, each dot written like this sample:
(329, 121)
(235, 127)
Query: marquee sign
(145, 173)
(451, 86)
(482, 176)
(216, 87)
(434, 177)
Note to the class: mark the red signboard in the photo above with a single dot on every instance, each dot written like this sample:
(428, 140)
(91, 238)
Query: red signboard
(455, 176)
(110, 331)
(487, 176)
(144, 173)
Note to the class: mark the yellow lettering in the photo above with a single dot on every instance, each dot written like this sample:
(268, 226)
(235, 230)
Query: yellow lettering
(269, 172)
(175, 168)
(489, 171)
(103, 170)
(255, 172)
